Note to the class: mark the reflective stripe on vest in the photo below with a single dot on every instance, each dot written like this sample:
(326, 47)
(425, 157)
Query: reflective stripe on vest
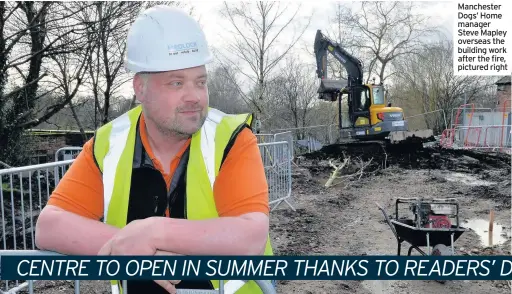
(113, 152)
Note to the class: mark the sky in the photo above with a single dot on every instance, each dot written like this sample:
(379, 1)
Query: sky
(321, 14)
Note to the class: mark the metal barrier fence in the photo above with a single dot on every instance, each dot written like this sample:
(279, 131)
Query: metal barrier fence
(25, 190)
(288, 137)
(67, 153)
(479, 128)
(303, 139)
(277, 137)
(265, 138)
(308, 139)
(276, 158)
(488, 137)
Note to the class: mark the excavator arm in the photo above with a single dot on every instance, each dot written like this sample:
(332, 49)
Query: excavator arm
(330, 89)
(353, 66)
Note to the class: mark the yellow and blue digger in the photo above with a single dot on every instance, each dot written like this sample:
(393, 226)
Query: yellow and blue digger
(371, 117)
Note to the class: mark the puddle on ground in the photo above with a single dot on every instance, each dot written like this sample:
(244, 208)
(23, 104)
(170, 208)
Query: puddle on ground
(467, 179)
(481, 228)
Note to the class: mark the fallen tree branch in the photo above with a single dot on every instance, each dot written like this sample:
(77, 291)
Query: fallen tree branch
(337, 169)
(5, 164)
(360, 172)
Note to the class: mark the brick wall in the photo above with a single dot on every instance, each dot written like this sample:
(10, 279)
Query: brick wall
(502, 96)
(40, 149)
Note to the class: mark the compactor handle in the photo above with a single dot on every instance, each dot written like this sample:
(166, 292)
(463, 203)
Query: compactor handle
(387, 220)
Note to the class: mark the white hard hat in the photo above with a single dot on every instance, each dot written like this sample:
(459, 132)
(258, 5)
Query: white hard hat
(165, 38)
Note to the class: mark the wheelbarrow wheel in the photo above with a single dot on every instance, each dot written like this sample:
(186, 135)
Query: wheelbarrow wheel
(441, 250)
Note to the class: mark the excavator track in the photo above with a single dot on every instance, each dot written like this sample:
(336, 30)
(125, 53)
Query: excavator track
(375, 150)
(379, 151)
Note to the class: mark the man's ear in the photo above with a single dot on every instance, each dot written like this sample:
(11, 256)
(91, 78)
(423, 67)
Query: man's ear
(138, 87)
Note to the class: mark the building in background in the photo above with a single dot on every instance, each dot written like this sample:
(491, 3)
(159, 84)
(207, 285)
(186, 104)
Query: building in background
(42, 144)
(503, 92)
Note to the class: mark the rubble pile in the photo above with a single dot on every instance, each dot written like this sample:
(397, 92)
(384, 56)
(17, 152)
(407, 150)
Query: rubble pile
(486, 174)
(414, 156)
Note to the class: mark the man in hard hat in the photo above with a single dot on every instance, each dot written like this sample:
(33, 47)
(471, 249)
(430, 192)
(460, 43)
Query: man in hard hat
(171, 176)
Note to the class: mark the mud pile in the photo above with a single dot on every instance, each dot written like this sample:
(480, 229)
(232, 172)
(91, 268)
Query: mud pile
(488, 174)
(414, 156)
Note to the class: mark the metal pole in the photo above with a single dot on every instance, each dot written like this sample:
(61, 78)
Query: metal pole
(428, 243)
(221, 287)
(453, 249)
(464, 112)
(339, 110)
(465, 102)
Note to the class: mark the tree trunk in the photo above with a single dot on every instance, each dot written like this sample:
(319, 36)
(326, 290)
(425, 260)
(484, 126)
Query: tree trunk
(79, 124)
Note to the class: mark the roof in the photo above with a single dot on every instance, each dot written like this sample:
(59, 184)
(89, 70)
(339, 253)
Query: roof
(57, 132)
(503, 81)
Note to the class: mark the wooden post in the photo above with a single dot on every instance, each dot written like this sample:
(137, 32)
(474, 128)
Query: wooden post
(491, 226)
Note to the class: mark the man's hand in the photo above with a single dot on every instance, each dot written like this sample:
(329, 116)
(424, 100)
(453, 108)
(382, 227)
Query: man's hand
(168, 285)
(133, 239)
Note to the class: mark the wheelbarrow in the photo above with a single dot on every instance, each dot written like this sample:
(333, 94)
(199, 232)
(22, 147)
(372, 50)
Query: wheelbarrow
(430, 227)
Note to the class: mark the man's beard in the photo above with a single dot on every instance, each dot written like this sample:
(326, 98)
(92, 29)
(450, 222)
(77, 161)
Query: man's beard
(176, 129)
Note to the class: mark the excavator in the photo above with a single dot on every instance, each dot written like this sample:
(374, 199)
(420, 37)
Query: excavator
(369, 116)
(375, 129)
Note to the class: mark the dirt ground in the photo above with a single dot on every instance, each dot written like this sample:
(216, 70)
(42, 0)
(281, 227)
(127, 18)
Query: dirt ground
(344, 219)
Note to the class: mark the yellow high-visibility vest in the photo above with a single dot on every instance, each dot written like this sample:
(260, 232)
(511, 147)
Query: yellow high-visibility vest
(114, 145)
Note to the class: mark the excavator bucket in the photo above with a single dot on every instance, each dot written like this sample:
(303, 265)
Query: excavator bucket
(329, 89)
(332, 86)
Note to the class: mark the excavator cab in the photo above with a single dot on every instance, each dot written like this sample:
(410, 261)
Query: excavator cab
(369, 115)
(388, 117)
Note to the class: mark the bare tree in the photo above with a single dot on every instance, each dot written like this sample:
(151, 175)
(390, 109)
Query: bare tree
(259, 30)
(112, 20)
(343, 36)
(223, 92)
(384, 31)
(294, 94)
(32, 34)
(426, 82)
(69, 76)
(107, 76)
